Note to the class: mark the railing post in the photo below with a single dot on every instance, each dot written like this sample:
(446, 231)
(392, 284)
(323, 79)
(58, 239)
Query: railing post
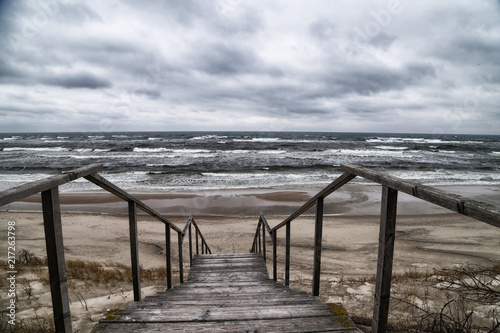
(287, 255)
(190, 246)
(385, 259)
(260, 239)
(264, 240)
(196, 232)
(134, 250)
(318, 234)
(168, 256)
(181, 268)
(55, 258)
(275, 256)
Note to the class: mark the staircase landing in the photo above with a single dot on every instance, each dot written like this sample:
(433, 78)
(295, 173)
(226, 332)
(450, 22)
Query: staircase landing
(228, 293)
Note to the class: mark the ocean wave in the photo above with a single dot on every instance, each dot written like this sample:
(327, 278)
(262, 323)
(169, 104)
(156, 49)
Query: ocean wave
(418, 140)
(258, 140)
(12, 138)
(151, 150)
(368, 152)
(209, 137)
(391, 147)
(36, 149)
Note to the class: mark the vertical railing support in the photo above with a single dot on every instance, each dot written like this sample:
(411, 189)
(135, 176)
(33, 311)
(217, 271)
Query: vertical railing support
(196, 232)
(275, 256)
(287, 255)
(318, 234)
(385, 259)
(260, 238)
(55, 257)
(134, 250)
(181, 268)
(264, 240)
(190, 246)
(168, 256)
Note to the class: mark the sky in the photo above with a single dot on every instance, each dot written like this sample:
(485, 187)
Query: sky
(250, 65)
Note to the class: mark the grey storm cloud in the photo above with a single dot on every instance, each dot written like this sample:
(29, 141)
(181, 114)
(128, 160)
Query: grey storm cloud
(77, 80)
(188, 64)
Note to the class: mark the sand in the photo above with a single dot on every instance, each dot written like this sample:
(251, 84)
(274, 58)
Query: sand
(427, 238)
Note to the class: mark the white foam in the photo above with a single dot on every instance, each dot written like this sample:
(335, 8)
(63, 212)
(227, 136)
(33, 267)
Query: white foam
(14, 137)
(417, 140)
(151, 150)
(35, 149)
(391, 147)
(209, 137)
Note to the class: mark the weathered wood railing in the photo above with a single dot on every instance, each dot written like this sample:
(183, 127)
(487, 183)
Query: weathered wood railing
(49, 189)
(390, 186)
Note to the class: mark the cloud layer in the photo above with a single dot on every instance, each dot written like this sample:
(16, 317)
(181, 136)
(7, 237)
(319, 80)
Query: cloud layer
(376, 66)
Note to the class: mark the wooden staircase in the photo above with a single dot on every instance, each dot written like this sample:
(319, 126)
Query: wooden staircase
(228, 293)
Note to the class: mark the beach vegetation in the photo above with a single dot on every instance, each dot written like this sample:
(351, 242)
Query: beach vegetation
(85, 279)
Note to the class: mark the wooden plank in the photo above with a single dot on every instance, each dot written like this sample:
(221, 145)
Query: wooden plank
(385, 259)
(202, 259)
(211, 313)
(231, 299)
(197, 246)
(190, 245)
(168, 255)
(318, 235)
(55, 259)
(244, 300)
(248, 276)
(31, 188)
(287, 255)
(264, 252)
(275, 255)
(134, 250)
(225, 266)
(181, 263)
(289, 325)
(262, 289)
(228, 283)
(476, 209)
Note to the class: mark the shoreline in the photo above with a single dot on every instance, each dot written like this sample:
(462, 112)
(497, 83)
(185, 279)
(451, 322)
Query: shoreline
(350, 200)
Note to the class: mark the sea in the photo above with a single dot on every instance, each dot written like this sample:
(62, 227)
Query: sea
(195, 161)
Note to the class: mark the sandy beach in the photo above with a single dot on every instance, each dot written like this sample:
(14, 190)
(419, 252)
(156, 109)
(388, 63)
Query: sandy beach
(95, 228)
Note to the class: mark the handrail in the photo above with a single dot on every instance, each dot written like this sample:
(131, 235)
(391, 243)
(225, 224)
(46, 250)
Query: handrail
(17, 193)
(390, 186)
(122, 194)
(49, 188)
(478, 210)
(188, 231)
(335, 185)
